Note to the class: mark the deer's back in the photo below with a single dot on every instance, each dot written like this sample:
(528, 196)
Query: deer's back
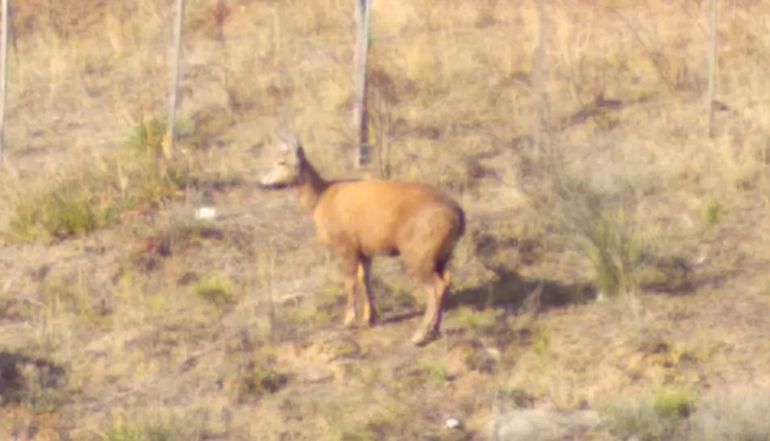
(374, 215)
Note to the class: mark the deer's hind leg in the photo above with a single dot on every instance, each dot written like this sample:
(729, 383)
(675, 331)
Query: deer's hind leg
(435, 286)
(369, 315)
(434, 279)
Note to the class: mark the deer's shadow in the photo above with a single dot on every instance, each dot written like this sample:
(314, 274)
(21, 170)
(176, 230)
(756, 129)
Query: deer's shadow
(513, 292)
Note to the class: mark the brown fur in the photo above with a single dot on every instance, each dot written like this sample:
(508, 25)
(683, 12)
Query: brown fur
(361, 219)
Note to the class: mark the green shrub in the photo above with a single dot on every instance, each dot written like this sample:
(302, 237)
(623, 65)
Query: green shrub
(713, 212)
(214, 288)
(673, 403)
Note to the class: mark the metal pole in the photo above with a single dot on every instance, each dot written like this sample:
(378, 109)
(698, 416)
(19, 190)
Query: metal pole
(539, 81)
(168, 147)
(712, 63)
(3, 73)
(360, 113)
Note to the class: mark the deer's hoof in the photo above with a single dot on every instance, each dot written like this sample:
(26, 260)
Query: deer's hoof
(350, 321)
(422, 338)
(371, 320)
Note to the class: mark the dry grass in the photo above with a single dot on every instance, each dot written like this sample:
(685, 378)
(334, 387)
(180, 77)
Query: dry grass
(130, 320)
(660, 416)
(734, 413)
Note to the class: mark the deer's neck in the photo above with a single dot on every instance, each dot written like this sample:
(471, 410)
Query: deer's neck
(311, 187)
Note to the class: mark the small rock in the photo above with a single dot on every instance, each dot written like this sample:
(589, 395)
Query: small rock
(453, 423)
(206, 213)
(542, 424)
(318, 375)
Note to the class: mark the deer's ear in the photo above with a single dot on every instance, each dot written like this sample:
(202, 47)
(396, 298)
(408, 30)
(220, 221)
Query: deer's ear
(286, 142)
(293, 143)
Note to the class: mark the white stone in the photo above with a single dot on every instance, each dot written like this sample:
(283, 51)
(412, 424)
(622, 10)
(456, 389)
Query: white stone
(452, 423)
(206, 213)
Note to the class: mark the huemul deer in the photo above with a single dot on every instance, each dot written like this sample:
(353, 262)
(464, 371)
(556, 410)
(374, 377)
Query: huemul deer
(359, 219)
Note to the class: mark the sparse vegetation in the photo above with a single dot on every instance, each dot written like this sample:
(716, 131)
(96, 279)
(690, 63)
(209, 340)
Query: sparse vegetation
(603, 223)
(214, 288)
(67, 208)
(259, 381)
(308, 316)
(121, 430)
(661, 416)
(713, 212)
(541, 344)
(616, 257)
(384, 420)
(478, 321)
(673, 403)
(515, 397)
(736, 413)
(146, 138)
(93, 194)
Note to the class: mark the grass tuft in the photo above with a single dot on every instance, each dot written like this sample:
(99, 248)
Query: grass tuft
(121, 430)
(615, 254)
(713, 212)
(673, 403)
(147, 137)
(478, 322)
(215, 288)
